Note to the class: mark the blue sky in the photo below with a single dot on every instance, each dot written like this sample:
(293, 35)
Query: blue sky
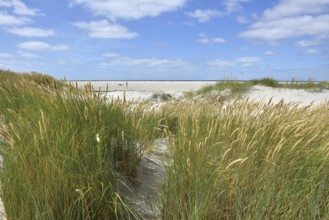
(166, 39)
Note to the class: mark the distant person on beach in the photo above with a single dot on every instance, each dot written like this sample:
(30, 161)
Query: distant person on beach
(126, 85)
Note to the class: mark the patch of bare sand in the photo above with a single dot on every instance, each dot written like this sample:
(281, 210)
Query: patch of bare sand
(300, 96)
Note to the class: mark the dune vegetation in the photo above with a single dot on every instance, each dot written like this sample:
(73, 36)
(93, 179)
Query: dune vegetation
(248, 161)
(66, 151)
(237, 88)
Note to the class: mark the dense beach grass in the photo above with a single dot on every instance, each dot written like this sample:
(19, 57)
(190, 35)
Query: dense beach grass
(67, 151)
(248, 161)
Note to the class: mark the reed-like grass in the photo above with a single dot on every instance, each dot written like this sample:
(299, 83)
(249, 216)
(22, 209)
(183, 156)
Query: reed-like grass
(66, 150)
(248, 161)
(236, 88)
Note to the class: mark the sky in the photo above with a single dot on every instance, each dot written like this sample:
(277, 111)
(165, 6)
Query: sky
(166, 39)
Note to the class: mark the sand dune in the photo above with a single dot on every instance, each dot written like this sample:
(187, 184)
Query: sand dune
(141, 90)
(300, 96)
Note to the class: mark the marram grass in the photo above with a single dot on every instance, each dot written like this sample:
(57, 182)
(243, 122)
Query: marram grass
(234, 89)
(248, 161)
(66, 150)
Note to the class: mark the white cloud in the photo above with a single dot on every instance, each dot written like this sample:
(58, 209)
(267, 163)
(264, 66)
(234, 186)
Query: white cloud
(204, 15)
(242, 19)
(291, 18)
(308, 43)
(104, 29)
(129, 9)
(37, 45)
(203, 39)
(19, 7)
(230, 6)
(10, 20)
(27, 54)
(18, 14)
(312, 52)
(288, 27)
(242, 61)
(31, 32)
(119, 60)
(291, 8)
(234, 5)
(249, 59)
(269, 52)
(220, 63)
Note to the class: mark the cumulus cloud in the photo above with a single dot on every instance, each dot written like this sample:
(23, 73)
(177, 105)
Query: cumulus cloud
(10, 20)
(292, 8)
(288, 27)
(31, 32)
(308, 43)
(234, 5)
(104, 29)
(204, 15)
(19, 7)
(38, 45)
(220, 63)
(203, 39)
(129, 9)
(119, 60)
(242, 61)
(27, 54)
(16, 15)
(291, 18)
(242, 19)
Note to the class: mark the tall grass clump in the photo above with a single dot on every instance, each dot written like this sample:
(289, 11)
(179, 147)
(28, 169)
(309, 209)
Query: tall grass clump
(266, 82)
(309, 85)
(235, 87)
(248, 161)
(66, 150)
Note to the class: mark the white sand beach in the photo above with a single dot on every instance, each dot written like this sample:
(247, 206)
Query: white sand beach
(141, 90)
(301, 96)
(165, 86)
